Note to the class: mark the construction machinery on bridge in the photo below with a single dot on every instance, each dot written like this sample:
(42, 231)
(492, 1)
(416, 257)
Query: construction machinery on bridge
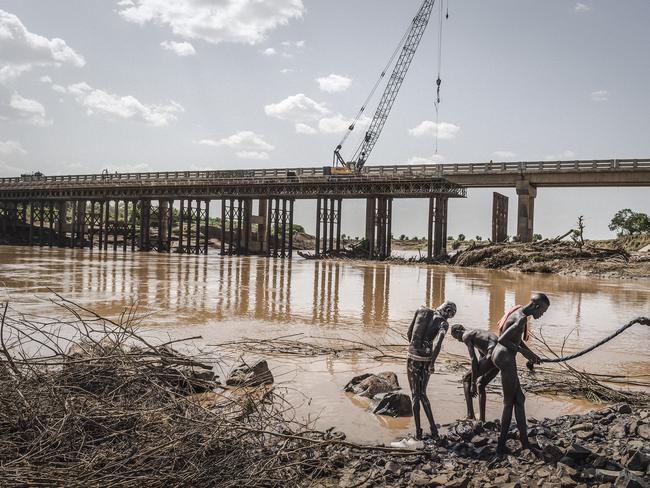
(406, 50)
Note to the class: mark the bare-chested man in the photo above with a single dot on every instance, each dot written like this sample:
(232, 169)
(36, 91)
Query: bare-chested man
(426, 326)
(483, 370)
(514, 331)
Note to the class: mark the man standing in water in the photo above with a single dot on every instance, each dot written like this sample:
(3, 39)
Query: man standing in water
(426, 326)
(483, 370)
(514, 331)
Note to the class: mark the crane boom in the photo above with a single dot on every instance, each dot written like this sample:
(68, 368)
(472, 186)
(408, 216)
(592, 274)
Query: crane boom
(411, 43)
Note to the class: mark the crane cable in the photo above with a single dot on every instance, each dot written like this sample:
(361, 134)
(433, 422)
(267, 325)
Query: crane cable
(436, 102)
(397, 50)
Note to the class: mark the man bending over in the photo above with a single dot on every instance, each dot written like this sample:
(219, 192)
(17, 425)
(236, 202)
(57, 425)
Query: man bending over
(483, 369)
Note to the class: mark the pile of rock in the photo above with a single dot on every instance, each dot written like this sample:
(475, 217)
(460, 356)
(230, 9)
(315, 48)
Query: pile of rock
(610, 447)
(244, 374)
(382, 389)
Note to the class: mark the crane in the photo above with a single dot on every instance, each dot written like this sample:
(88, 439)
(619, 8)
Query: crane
(406, 48)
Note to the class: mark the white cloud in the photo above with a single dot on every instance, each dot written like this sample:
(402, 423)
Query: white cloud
(563, 155)
(269, 51)
(21, 50)
(334, 83)
(243, 141)
(29, 111)
(59, 88)
(258, 155)
(126, 107)
(215, 21)
(434, 159)
(297, 108)
(11, 147)
(182, 49)
(503, 154)
(581, 7)
(8, 170)
(305, 129)
(599, 96)
(294, 44)
(428, 128)
(45, 79)
(286, 71)
(333, 125)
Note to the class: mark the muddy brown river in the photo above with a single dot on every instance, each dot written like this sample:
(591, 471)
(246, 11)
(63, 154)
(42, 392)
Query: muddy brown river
(228, 299)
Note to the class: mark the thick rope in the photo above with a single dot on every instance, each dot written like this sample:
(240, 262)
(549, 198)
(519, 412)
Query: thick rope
(620, 330)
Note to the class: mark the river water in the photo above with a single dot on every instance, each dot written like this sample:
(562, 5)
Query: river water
(229, 299)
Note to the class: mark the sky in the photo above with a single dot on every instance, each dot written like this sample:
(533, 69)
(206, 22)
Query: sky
(146, 85)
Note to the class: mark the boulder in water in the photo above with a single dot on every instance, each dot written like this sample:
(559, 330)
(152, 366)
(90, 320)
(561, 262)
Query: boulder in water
(368, 385)
(255, 375)
(392, 404)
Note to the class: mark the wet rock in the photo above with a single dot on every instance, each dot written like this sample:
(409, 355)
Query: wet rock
(565, 470)
(638, 462)
(392, 405)
(255, 375)
(368, 385)
(567, 482)
(460, 482)
(624, 408)
(578, 453)
(584, 435)
(607, 419)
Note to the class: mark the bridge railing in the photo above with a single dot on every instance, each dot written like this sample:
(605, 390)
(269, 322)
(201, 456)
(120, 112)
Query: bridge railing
(403, 171)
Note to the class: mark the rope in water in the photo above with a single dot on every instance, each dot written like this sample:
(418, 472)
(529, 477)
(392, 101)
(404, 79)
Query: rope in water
(620, 330)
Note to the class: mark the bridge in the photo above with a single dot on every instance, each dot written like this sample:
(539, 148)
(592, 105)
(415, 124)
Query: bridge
(139, 210)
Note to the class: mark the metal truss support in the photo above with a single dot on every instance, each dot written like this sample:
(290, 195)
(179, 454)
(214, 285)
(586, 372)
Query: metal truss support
(279, 227)
(328, 226)
(379, 212)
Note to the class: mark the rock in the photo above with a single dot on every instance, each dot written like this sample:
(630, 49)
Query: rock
(583, 435)
(501, 480)
(565, 470)
(391, 467)
(624, 408)
(460, 482)
(618, 429)
(479, 441)
(419, 478)
(582, 426)
(392, 405)
(607, 475)
(629, 480)
(439, 480)
(368, 385)
(577, 452)
(256, 375)
(567, 482)
(644, 431)
(638, 462)
(607, 419)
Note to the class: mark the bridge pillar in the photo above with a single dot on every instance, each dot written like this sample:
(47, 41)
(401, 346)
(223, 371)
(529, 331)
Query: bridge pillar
(499, 217)
(525, 210)
(437, 227)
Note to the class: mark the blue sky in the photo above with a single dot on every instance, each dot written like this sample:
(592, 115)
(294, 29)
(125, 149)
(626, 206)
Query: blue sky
(194, 84)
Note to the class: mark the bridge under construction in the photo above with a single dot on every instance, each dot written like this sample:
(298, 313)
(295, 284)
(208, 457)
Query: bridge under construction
(171, 211)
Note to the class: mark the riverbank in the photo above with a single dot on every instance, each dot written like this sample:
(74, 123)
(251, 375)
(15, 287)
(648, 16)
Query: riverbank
(101, 404)
(604, 259)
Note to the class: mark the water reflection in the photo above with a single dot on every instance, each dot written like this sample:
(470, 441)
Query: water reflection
(189, 290)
